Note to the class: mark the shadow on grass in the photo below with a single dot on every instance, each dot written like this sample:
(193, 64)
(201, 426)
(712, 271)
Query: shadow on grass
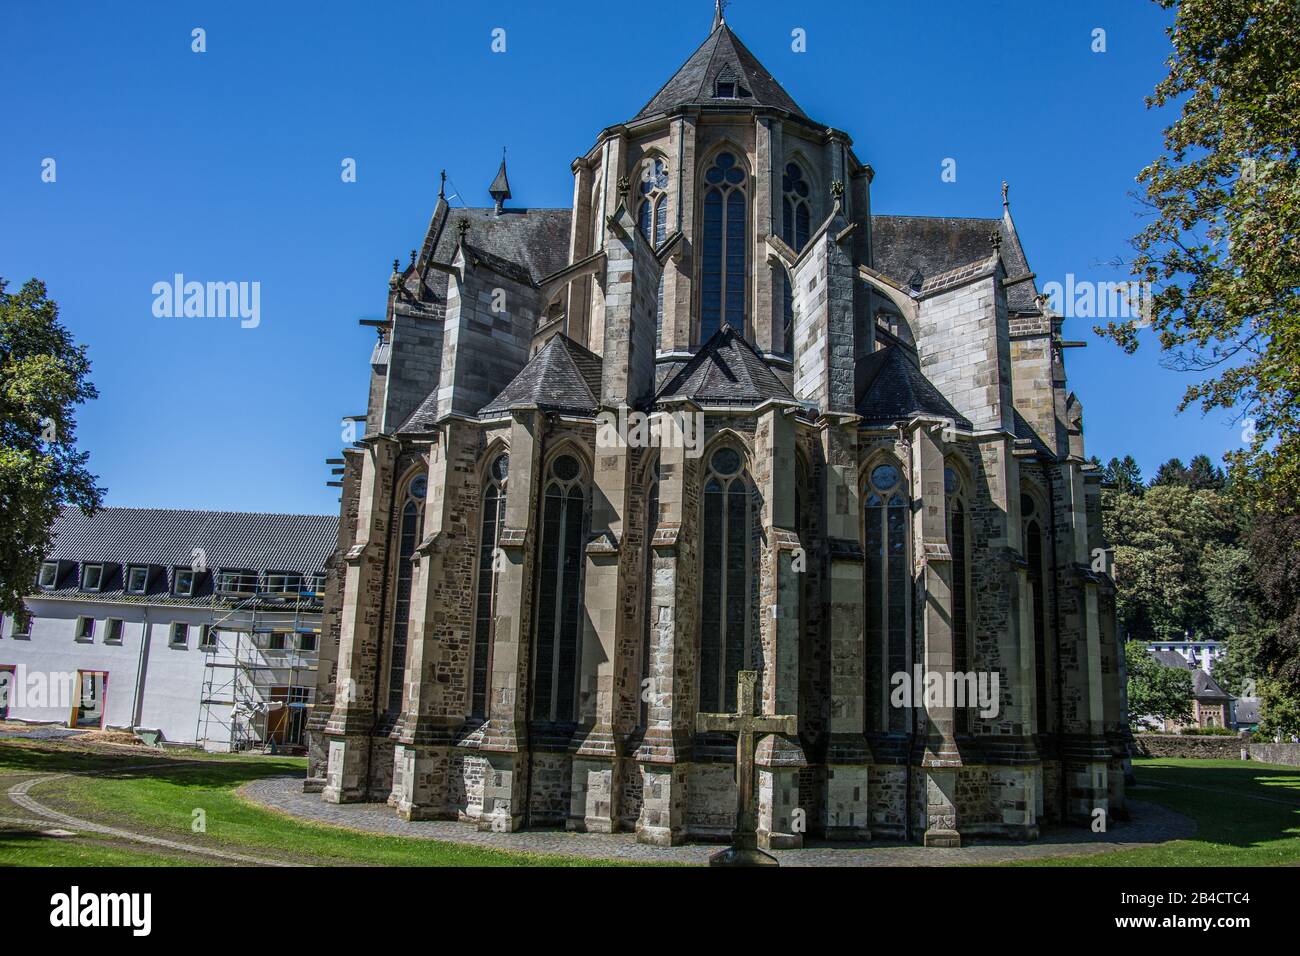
(1234, 803)
(182, 769)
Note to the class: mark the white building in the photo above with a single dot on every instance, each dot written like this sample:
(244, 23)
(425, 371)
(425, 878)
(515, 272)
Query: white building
(202, 627)
(1202, 653)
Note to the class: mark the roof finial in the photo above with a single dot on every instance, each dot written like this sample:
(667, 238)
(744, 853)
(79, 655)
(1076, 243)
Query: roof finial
(718, 7)
(500, 188)
(442, 185)
(1005, 190)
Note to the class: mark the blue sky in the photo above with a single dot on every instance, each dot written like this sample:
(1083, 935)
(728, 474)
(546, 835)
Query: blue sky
(225, 166)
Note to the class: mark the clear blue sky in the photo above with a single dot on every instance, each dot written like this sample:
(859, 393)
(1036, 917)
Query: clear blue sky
(225, 166)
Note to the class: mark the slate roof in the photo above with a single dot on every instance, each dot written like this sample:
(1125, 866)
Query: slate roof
(1205, 687)
(1247, 710)
(894, 389)
(562, 377)
(727, 370)
(298, 544)
(904, 245)
(1171, 659)
(694, 83)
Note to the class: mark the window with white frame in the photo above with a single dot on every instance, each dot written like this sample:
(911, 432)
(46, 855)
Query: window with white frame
(85, 629)
(183, 582)
(49, 575)
(92, 577)
(180, 634)
(113, 630)
(137, 580)
(207, 636)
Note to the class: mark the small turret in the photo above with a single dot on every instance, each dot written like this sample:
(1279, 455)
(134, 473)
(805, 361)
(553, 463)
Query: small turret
(500, 188)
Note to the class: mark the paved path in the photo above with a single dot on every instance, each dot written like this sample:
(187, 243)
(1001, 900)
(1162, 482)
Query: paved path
(19, 794)
(1150, 825)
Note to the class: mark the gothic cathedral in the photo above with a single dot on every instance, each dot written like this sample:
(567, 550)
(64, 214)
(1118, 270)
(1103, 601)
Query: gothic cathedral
(869, 488)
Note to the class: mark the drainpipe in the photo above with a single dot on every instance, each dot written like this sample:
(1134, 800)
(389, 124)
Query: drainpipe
(137, 697)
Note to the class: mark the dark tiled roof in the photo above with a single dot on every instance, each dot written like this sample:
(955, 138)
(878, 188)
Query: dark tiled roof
(1206, 687)
(895, 389)
(727, 370)
(297, 544)
(1247, 710)
(563, 376)
(902, 246)
(1170, 659)
(694, 83)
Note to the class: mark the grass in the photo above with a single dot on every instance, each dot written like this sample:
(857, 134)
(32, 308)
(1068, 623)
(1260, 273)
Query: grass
(161, 801)
(1246, 813)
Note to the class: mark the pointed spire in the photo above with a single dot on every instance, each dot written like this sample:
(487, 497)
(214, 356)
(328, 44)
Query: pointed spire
(500, 188)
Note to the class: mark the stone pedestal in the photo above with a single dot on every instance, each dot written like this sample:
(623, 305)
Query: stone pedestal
(420, 782)
(595, 789)
(941, 808)
(345, 772)
(663, 804)
(505, 792)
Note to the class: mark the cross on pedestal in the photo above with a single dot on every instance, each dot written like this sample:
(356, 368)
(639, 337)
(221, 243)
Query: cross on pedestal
(747, 727)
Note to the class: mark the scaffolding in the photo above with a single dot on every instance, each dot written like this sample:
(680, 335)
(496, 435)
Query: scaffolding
(261, 650)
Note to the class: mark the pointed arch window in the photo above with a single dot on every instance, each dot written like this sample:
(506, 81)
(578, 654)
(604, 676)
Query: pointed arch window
(886, 519)
(958, 545)
(559, 591)
(493, 513)
(723, 250)
(796, 223)
(1032, 521)
(652, 218)
(730, 579)
(408, 536)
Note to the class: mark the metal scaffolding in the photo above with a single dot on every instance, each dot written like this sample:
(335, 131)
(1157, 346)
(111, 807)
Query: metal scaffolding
(261, 649)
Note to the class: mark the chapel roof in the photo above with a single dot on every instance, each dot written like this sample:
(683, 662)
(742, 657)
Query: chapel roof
(562, 377)
(894, 389)
(727, 370)
(720, 55)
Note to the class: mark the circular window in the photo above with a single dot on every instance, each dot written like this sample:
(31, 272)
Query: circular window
(884, 477)
(726, 461)
(565, 468)
(501, 467)
(950, 482)
(419, 486)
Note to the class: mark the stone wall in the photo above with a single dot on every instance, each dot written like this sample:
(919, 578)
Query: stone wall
(1174, 745)
(1286, 755)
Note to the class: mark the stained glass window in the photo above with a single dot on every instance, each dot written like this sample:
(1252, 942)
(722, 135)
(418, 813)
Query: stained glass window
(722, 257)
(494, 506)
(886, 514)
(730, 579)
(559, 597)
(408, 538)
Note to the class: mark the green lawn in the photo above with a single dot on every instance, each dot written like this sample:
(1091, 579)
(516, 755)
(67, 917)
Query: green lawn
(1247, 814)
(161, 802)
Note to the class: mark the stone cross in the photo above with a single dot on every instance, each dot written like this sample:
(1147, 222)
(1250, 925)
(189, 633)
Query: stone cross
(747, 727)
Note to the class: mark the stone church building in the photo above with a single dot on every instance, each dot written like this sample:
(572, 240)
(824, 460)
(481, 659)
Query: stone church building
(888, 483)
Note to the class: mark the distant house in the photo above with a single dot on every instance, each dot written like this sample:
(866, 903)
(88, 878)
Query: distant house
(1211, 704)
(1202, 653)
(198, 626)
(1245, 714)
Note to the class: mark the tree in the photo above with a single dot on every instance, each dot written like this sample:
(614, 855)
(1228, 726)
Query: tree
(44, 375)
(1125, 475)
(1220, 253)
(1203, 475)
(1275, 555)
(1172, 472)
(1154, 690)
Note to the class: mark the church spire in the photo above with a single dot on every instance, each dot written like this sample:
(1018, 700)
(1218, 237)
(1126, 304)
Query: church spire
(500, 188)
(718, 7)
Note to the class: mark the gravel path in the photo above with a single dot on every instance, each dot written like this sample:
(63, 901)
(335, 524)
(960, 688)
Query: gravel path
(1150, 825)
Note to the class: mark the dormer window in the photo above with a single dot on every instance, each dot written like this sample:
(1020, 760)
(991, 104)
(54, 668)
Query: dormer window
(183, 582)
(49, 575)
(137, 580)
(728, 88)
(92, 577)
